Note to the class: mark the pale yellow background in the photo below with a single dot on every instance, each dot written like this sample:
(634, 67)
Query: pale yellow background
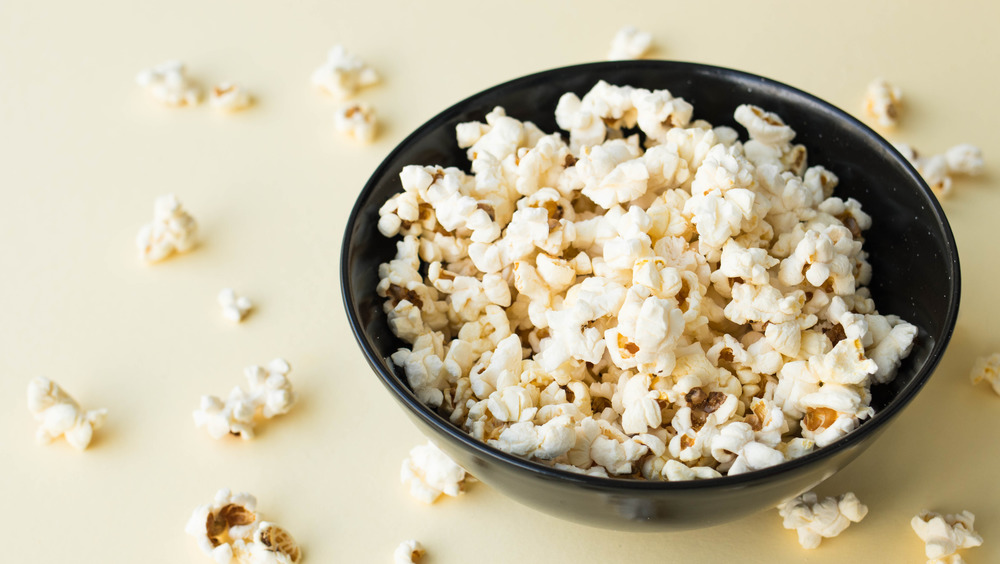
(83, 153)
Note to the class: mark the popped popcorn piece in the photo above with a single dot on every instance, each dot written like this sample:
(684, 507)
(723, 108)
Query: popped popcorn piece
(682, 307)
(356, 121)
(230, 529)
(945, 535)
(630, 43)
(883, 101)
(987, 369)
(172, 230)
(343, 74)
(168, 84)
(938, 170)
(268, 395)
(229, 97)
(58, 414)
(429, 473)
(815, 520)
(408, 552)
(234, 306)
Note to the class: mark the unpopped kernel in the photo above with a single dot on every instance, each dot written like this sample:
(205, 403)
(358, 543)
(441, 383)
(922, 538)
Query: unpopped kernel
(883, 101)
(945, 535)
(430, 473)
(356, 121)
(168, 84)
(408, 552)
(269, 394)
(815, 520)
(230, 530)
(234, 306)
(672, 304)
(58, 414)
(343, 74)
(987, 369)
(630, 43)
(172, 230)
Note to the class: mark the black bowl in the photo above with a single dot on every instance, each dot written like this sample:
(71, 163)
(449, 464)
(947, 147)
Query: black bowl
(912, 251)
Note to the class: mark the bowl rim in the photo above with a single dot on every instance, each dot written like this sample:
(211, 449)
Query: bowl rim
(482, 449)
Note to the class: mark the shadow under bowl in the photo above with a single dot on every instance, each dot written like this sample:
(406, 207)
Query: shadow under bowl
(911, 248)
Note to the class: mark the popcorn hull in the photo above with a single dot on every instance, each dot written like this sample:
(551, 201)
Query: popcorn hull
(911, 247)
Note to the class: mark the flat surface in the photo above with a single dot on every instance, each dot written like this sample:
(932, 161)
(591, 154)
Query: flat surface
(83, 153)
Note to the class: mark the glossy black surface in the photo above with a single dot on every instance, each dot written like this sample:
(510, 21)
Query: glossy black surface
(912, 250)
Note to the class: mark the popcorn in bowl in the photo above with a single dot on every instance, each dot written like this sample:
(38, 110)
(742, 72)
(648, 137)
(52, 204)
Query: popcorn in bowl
(651, 298)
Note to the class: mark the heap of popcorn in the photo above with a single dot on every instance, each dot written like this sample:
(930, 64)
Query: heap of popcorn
(673, 305)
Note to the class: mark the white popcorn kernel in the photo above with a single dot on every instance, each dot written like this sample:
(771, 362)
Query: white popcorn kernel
(172, 230)
(229, 528)
(945, 535)
(987, 369)
(430, 473)
(229, 97)
(815, 520)
(408, 552)
(168, 84)
(675, 471)
(58, 414)
(269, 394)
(763, 126)
(630, 43)
(883, 101)
(356, 121)
(965, 159)
(343, 74)
(234, 306)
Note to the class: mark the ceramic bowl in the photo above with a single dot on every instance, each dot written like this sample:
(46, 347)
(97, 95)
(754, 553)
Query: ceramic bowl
(912, 252)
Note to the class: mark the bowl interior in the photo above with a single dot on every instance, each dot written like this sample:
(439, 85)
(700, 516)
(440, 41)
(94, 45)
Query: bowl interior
(911, 247)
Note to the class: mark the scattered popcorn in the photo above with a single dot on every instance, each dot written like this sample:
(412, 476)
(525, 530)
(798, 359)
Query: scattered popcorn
(269, 394)
(172, 230)
(630, 43)
(168, 84)
(430, 473)
(987, 369)
(938, 170)
(667, 304)
(815, 520)
(343, 74)
(882, 102)
(408, 552)
(356, 121)
(945, 535)
(234, 307)
(229, 97)
(58, 414)
(229, 529)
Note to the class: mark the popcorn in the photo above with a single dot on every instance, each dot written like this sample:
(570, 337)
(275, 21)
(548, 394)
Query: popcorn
(680, 306)
(815, 520)
(172, 230)
(229, 529)
(168, 84)
(356, 121)
(938, 170)
(343, 74)
(630, 43)
(408, 552)
(269, 394)
(987, 368)
(58, 414)
(234, 307)
(229, 97)
(882, 102)
(945, 535)
(429, 473)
